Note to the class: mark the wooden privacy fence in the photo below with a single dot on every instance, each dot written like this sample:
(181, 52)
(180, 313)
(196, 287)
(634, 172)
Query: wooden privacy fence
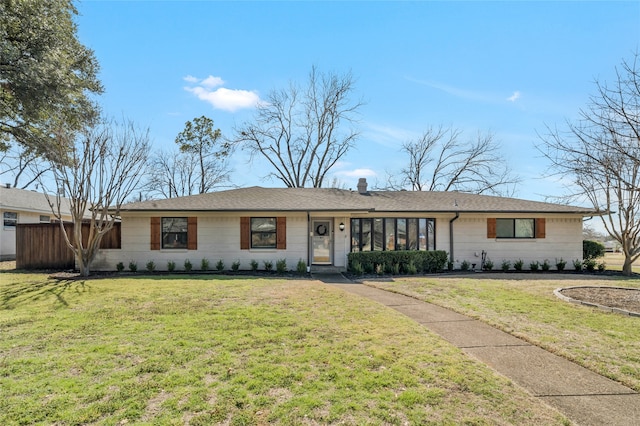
(42, 245)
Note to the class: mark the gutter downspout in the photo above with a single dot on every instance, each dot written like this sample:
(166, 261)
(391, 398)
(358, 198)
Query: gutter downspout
(308, 242)
(451, 256)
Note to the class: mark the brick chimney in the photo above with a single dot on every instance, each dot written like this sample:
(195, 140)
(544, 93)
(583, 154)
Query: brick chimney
(362, 186)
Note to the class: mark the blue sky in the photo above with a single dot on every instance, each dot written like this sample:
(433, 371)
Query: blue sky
(506, 67)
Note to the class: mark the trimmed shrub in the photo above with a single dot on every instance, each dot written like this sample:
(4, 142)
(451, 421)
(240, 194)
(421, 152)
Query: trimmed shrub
(592, 249)
(188, 265)
(301, 267)
(235, 266)
(518, 264)
(254, 265)
(505, 265)
(423, 261)
(465, 265)
(151, 266)
(220, 265)
(120, 267)
(590, 265)
(171, 266)
(204, 264)
(356, 267)
(577, 265)
(534, 266)
(281, 266)
(133, 266)
(268, 265)
(560, 264)
(488, 265)
(545, 265)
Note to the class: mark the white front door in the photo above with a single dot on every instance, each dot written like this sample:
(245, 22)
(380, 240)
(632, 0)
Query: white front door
(321, 242)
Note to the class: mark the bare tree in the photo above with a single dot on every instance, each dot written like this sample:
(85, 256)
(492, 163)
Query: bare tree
(22, 165)
(174, 175)
(590, 233)
(440, 161)
(102, 169)
(301, 131)
(600, 154)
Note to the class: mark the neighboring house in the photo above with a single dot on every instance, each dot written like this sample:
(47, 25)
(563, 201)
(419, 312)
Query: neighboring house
(321, 226)
(22, 206)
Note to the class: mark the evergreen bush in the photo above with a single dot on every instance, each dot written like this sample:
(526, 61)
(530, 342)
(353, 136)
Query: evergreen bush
(301, 267)
(505, 265)
(518, 264)
(423, 261)
(592, 249)
(281, 266)
(220, 265)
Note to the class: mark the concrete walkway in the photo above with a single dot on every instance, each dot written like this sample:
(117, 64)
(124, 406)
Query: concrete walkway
(583, 396)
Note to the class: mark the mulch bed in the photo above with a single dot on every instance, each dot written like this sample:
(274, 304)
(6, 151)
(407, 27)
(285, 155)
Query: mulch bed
(627, 299)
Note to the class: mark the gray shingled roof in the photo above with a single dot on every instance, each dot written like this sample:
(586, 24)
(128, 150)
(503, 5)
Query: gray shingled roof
(319, 199)
(29, 201)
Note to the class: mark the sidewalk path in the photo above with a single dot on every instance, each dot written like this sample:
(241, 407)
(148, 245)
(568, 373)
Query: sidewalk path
(583, 396)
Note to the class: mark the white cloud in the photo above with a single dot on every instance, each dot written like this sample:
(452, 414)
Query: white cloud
(212, 81)
(357, 173)
(516, 95)
(221, 98)
(387, 135)
(473, 95)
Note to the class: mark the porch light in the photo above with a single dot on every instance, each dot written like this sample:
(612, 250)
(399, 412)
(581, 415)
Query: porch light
(341, 226)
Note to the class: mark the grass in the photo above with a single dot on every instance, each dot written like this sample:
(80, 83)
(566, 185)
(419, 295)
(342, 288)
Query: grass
(614, 262)
(216, 350)
(525, 306)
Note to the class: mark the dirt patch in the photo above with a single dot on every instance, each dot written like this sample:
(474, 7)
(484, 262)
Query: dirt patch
(7, 265)
(627, 299)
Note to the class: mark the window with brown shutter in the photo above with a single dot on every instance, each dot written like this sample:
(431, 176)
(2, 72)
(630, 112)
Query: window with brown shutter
(491, 228)
(245, 233)
(515, 228)
(263, 232)
(281, 233)
(174, 233)
(155, 233)
(541, 231)
(192, 233)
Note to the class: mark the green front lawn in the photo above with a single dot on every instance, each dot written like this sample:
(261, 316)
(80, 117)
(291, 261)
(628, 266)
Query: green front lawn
(211, 350)
(525, 306)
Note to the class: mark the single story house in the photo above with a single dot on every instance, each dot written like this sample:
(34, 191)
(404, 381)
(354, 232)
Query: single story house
(321, 226)
(23, 206)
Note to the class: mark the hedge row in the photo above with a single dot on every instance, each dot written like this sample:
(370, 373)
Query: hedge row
(394, 262)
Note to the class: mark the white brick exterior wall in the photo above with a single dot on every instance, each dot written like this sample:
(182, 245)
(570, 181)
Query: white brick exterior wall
(219, 238)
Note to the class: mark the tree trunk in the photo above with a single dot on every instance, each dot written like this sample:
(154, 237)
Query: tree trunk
(82, 265)
(627, 266)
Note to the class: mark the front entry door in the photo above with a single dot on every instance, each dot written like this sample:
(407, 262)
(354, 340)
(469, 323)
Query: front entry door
(321, 242)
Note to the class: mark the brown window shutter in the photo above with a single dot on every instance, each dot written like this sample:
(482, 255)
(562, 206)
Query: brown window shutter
(192, 233)
(491, 228)
(245, 233)
(541, 231)
(281, 233)
(155, 233)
